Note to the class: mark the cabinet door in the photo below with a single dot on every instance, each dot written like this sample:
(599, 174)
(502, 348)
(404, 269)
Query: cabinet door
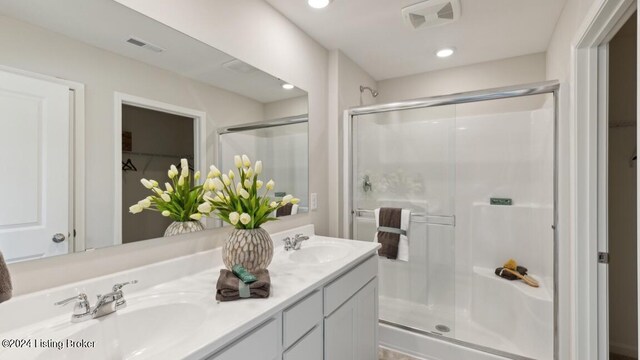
(261, 343)
(308, 348)
(366, 327)
(350, 332)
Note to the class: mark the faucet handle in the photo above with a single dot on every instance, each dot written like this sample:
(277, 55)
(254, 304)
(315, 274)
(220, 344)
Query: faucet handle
(119, 286)
(80, 298)
(287, 243)
(82, 308)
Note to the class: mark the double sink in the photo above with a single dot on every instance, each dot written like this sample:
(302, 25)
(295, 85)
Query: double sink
(152, 323)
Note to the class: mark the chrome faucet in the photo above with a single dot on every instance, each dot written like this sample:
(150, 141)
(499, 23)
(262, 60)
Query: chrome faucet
(294, 243)
(105, 305)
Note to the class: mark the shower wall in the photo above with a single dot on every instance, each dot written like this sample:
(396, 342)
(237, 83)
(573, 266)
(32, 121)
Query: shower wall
(504, 149)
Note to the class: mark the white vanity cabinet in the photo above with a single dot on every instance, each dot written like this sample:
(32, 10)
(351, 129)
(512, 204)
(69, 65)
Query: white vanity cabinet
(351, 326)
(339, 320)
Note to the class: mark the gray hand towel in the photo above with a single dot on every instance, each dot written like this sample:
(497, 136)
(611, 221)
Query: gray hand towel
(227, 288)
(389, 218)
(6, 289)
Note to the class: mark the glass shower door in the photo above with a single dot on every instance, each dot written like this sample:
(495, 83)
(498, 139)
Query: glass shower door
(406, 159)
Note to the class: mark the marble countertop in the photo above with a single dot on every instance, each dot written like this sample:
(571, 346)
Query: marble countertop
(218, 324)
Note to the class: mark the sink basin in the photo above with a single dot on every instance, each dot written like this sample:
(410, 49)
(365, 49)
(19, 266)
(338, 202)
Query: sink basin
(140, 331)
(319, 253)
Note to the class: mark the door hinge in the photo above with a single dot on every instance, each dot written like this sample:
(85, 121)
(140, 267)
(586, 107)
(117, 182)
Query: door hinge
(603, 257)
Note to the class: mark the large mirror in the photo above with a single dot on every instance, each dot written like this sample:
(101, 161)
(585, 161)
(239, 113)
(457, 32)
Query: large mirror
(283, 146)
(90, 107)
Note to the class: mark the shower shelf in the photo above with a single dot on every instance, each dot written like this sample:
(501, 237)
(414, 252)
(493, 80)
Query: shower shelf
(418, 217)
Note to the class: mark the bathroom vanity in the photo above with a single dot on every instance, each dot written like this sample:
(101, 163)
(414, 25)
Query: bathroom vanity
(323, 305)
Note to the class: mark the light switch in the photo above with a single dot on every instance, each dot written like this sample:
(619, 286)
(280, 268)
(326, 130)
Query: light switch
(314, 201)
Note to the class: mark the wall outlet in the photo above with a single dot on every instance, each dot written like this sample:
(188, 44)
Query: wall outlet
(314, 201)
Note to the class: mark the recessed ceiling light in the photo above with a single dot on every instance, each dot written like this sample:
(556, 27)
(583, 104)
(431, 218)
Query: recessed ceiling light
(287, 86)
(443, 53)
(318, 4)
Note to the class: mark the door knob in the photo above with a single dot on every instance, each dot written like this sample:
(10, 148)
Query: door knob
(58, 238)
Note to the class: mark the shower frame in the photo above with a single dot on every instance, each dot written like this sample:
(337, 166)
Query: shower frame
(546, 87)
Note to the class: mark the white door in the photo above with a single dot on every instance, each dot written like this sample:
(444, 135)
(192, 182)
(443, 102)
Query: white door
(34, 153)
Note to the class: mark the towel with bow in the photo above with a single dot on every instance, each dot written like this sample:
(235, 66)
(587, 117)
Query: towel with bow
(230, 287)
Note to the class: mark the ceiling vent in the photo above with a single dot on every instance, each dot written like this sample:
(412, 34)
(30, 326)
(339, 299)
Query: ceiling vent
(431, 13)
(145, 44)
(239, 66)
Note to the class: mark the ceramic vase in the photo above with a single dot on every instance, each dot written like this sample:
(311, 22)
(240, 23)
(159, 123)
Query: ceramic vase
(183, 227)
(251, 248)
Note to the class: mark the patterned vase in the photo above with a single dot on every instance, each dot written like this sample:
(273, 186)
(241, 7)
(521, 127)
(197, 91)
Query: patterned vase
(251, 248)
(183, 227)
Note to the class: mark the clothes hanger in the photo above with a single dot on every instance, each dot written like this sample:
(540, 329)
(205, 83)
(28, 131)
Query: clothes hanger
(128, 165)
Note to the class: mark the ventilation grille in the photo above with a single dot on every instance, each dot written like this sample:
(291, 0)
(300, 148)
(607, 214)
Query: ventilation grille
(431, 13)
(239, 66)
(144, 44)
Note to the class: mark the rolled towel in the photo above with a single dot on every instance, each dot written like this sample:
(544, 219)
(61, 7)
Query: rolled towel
(228, 286)
(6, 290)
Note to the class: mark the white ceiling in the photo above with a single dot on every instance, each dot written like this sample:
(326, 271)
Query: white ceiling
(107, 24)
(372, 32)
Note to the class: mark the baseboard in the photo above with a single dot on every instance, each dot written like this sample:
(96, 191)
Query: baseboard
(623, 349)
(398, 351)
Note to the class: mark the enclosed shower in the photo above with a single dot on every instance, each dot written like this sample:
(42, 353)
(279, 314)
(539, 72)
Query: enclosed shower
(477, 170)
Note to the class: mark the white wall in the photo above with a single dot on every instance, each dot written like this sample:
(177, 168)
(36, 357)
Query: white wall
(511, 71)
(103, 73)
(257, 34)
(560, 60)
(286, 108)
(345, 78)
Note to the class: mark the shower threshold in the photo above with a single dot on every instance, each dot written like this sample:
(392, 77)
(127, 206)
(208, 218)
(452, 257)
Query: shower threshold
(466, 344)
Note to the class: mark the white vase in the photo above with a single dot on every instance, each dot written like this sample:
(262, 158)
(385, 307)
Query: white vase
(183, 227)
(251, 248)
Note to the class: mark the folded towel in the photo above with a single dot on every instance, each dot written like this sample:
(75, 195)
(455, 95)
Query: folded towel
(394, 219)
(6, 289)
(228, 286)
(285, 210)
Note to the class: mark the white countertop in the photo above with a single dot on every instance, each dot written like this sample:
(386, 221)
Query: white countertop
(218, 323)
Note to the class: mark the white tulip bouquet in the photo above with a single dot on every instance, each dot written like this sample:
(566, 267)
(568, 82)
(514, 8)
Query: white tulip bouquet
(182, 200)
(243, 205)
(239, 204)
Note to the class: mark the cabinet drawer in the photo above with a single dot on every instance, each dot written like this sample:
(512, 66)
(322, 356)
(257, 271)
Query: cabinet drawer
(309, 348)
(341, 289)
(301, 317)
(261, 343)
